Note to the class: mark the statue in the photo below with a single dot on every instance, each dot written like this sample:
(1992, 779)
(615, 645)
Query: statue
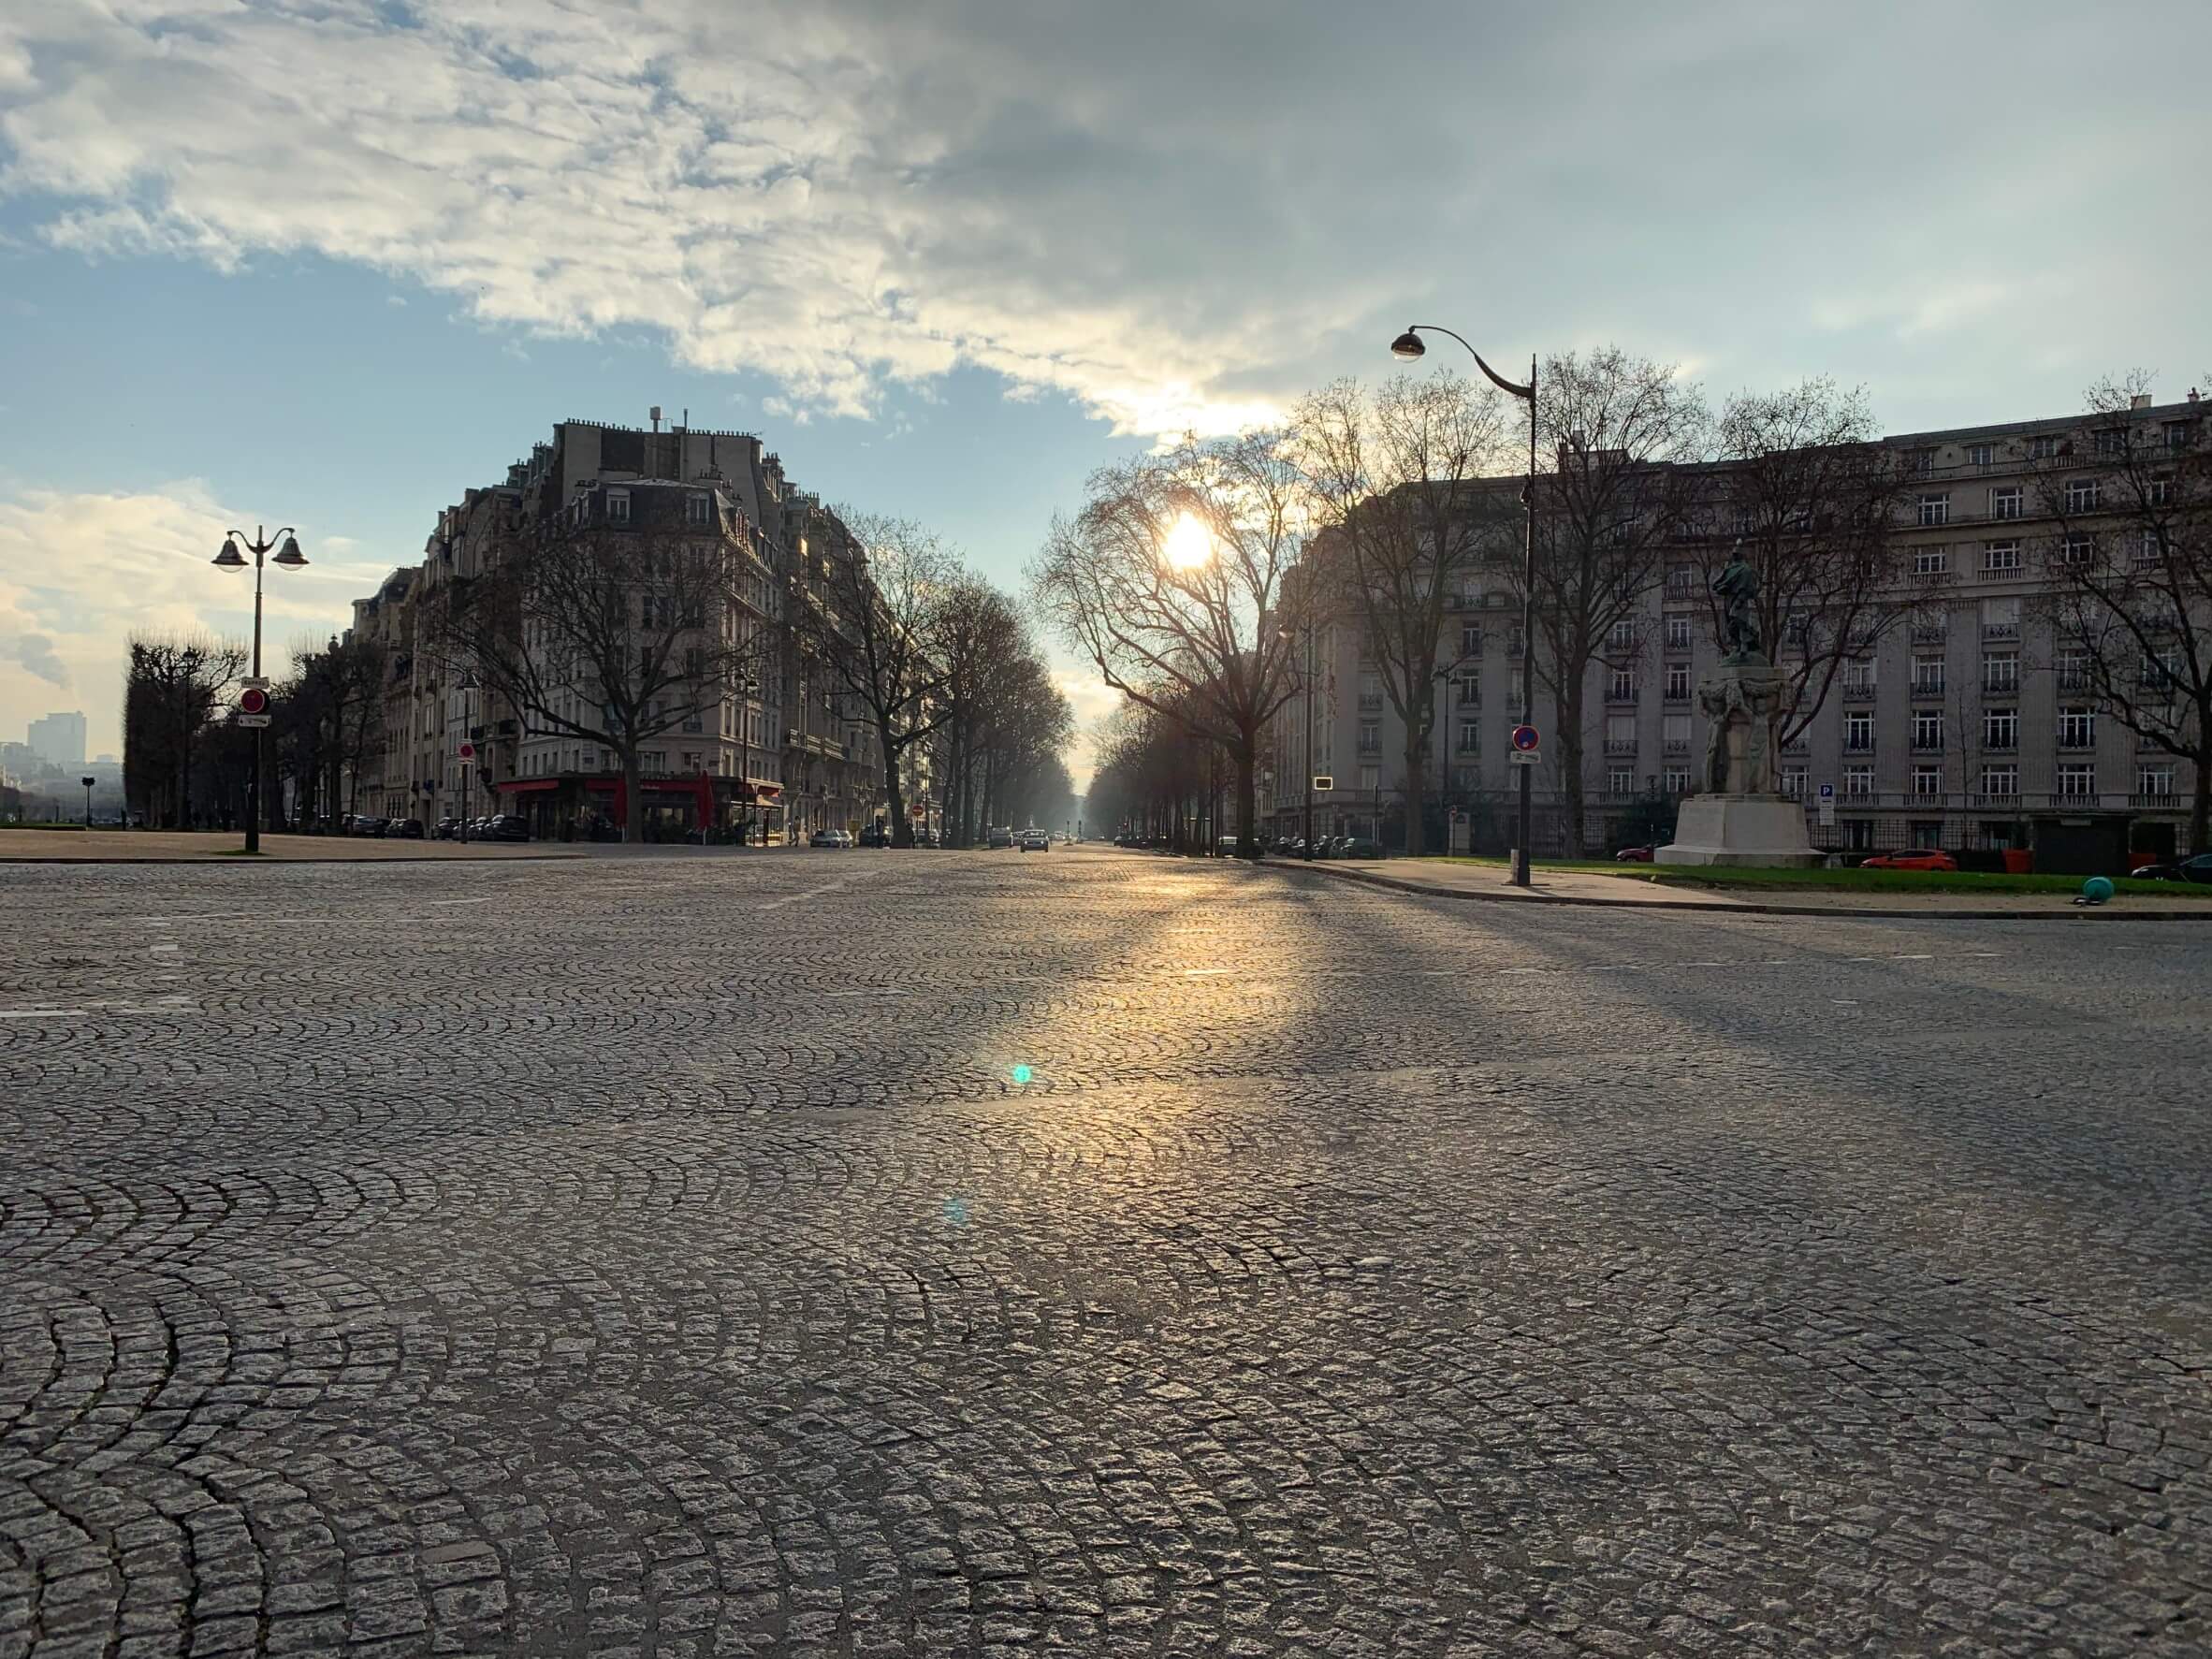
(1737, 586)
(1716, 700)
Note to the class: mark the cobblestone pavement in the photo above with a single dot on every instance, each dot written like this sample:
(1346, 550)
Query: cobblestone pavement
(663, 1259)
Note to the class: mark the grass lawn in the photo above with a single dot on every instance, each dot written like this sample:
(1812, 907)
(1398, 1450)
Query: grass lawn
(1847, 881)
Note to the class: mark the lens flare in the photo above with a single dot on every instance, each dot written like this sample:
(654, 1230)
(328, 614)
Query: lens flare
(1022, 1075)
(1188, 544)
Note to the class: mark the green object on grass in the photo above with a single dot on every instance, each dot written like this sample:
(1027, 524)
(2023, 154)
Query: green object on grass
(2097, 888)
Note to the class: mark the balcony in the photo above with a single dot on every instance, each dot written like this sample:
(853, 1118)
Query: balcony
(1617, 698)
(1929, 744)
(1620, 746)
(1370, 702)
(1859, 691)
(2076, 745)
(1672, 695)
(1858, 746)
(1794, 746)
(2001, 630)
(2158, 801)
(1928, 688)
(2003, 799)
(1675, 746)
(1930, 633)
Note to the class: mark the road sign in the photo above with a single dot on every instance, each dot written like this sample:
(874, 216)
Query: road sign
(1525, 737)
(1323, 783)
(254, 700)
(252, 719)
(1827, 792)
(1525, 757)
(468, 754)
(1827, 809)
(258, 681)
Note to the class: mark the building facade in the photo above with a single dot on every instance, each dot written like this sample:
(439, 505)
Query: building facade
(780, 752)
(58, 738)
(1964, 721)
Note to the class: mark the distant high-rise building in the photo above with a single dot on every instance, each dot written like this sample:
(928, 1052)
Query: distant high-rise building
(59, 738)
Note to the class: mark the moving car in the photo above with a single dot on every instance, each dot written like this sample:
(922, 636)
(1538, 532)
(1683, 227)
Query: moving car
(998, 836)
(875, 836)
(2198, 868)
(826, 838)
(1634, 856)
(1917, 858)
(1036, 841)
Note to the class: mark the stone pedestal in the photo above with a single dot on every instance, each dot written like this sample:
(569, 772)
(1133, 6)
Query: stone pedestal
(1767, 830)
(1743, 818)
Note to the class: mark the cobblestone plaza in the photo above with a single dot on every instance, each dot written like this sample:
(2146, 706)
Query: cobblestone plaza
(943, 1253)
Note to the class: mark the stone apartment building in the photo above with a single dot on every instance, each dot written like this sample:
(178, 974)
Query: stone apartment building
(780, 755)
(1964, 723)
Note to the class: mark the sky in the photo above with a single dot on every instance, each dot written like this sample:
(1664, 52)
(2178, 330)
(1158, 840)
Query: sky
(329, 263)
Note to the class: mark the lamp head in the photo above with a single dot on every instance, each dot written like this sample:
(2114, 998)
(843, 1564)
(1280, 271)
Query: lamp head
(289, 556)
(1408, 346)
(230, 558)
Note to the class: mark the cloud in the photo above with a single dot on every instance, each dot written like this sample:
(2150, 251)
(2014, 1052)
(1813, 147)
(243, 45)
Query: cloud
(36, 653)
(1174, 215)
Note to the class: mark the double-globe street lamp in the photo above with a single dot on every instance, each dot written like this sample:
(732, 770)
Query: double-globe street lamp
(288, 556)
(1305, 630)
(1408, 346)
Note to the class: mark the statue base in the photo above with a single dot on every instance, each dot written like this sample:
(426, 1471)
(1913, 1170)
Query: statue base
(1762, 831)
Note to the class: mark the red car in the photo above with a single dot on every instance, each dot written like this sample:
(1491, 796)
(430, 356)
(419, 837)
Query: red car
(1919, 858)
(1633, 856)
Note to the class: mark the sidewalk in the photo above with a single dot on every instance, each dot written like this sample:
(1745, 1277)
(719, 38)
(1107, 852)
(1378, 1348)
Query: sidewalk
(1431, 879)
(33, 846)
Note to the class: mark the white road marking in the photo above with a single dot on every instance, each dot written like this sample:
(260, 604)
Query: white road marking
(777, 904)
(458, 901)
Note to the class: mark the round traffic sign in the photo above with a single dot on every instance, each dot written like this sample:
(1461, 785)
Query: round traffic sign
(1524, 737)
(468, 752)
(252, 700)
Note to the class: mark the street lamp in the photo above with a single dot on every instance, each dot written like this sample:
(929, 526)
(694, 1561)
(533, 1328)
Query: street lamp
(1408, 347)
(748, 687)
(288, 556)
(1307, 630)
(88, 788)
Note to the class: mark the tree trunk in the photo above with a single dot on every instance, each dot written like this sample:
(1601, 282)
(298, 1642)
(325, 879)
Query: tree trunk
(2200, 806)
(1570, 754)
(633, 796)
(902, 833)
(1247, 797)
(1417, 771)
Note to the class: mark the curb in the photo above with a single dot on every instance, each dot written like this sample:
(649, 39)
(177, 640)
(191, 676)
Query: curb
(1368, 878)
(218, 860)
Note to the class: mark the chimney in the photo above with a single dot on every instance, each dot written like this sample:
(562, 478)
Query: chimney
(2140, 401)
(2192, 394)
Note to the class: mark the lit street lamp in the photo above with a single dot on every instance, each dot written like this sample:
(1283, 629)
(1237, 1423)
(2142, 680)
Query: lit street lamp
(1408, 346)
(288, 557)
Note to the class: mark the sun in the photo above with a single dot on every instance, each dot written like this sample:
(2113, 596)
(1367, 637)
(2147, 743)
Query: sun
(1188, 544)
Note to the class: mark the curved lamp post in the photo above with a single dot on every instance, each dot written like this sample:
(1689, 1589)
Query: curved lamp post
(1408, 346)
(288, 556)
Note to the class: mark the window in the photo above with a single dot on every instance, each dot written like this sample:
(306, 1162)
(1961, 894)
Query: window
(699, 508)
(2042, 447)
(2007, 500)
(1928, 780)
(1928, 730)
(1859, 731)
(1998, 557)
(1927, 676)
(2000, 727)
(1369, 736)
(1619, 733)
(1930, 561)
(1369, 779)
(2112, 440)
(2159, 668)
(1680, 580)
(1979, 455)
(1859, 780)
(1923, 461)
(1674, 731)
(617, 506)
(694, 759)
(1931, 625)
(1623, 685)
(2176, 433)
(2076, 778)
(1622, 634)
(2078, 728)
(1858, 676)
(2083, 495)
(1935, 509)
(1678, 634)
(2154, 779)
(1793, 782)
(1619, 781)
(2077, 549)
(2072, 670)
(2001, 618)
(2162, 490)
(1678, 780)
(1678, 682)
(1469, 738)
(1470, 691)
(1470, 639)
(2000, 671)
(2001, 780)
(2148, 550)
(1927, 835)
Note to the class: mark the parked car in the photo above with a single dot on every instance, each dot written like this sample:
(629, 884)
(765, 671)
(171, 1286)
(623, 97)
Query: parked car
(1916, 858)
(1360, 847)
(404, 829)
(826, 838)
(506, 827)
(998, 836)
(1635, 854)
(925, 836)
(1035, 841)
(2198, 868)
(875, 835)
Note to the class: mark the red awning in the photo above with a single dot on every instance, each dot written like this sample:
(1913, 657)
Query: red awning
(524, 785)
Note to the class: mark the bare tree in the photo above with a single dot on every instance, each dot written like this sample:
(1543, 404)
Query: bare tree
(1617, 430)
(172, 688)
(2129, 553)
(1397, 479)
(615, 634)
(1172, 580)
(1806, 494)
(874, 613)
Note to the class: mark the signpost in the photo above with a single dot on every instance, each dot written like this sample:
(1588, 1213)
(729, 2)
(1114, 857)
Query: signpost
(1827, 804)
(253, 707)
(1323, 783)
(1524, 751)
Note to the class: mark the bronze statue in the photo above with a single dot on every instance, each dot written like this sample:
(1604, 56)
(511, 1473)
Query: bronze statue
(1737, 586)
